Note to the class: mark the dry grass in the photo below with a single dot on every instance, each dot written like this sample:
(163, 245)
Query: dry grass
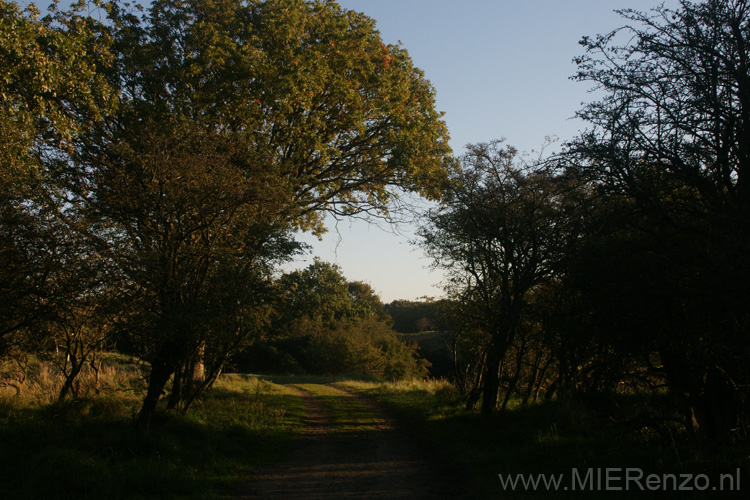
(33, 383)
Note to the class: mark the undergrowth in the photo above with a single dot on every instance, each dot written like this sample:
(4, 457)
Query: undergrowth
(88, 447)
(555, 437)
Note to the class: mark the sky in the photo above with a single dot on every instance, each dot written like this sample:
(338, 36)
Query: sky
(500, 69)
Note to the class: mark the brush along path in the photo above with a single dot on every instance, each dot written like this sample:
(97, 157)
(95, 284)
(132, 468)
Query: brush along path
(350, 448)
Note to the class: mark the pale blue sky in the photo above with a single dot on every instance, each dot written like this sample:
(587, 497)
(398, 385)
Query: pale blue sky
(500, 69)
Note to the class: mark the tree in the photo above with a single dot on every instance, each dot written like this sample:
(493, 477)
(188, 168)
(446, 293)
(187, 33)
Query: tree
(50, 89)
(498, 233)
(50, 92)
(672, 135)
(322, 292)
(319, 291)
(239, 122)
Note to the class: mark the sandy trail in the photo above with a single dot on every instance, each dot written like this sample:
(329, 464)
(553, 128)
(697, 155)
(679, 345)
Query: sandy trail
(340, 460)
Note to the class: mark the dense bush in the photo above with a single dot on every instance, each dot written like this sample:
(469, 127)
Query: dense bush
(361, 347)
(327, 325)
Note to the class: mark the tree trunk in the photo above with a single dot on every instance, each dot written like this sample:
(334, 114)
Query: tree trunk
(460, 375)
(76, 365)
(213, 374)
(476, 389)
(70, 379)
(534, 376)
(516, 375)
(188, 381)
(540, 380)
(198, 373)
(160, 373)
(175, 396)
(491, 380)
(717, 410)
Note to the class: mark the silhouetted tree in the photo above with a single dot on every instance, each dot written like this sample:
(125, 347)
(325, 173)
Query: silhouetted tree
(498, 234)
(672, 137)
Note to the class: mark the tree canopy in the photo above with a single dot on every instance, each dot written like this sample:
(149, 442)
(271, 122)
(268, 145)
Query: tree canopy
(51, 91)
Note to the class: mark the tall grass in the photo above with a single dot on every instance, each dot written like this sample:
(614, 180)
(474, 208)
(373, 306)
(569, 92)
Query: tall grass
(33, 382)
(88, 447)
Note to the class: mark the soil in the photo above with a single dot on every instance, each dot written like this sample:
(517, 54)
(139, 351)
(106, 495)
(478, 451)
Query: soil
(385, 461)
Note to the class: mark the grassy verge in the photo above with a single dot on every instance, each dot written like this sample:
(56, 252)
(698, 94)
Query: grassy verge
(88, 448)
(553, 438)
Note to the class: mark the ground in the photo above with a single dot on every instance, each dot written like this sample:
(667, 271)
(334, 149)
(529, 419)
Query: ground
(353, 448)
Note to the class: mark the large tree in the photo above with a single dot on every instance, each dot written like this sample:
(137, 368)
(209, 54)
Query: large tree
(322, 292)
(238, 122)
(671, 137)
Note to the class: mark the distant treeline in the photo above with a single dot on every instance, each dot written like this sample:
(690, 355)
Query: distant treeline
(326, 325)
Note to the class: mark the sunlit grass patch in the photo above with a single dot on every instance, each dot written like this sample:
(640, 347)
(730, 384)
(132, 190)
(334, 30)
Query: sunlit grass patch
(433, 387)
(415, 398)
(249, 401)
(347, 413)
(37, 383)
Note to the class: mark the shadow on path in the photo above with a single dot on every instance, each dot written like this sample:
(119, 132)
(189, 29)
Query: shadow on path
(359, 453)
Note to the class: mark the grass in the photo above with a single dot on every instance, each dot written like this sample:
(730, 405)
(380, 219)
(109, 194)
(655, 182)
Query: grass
(348, 414)
(552, 437)
(88, 448)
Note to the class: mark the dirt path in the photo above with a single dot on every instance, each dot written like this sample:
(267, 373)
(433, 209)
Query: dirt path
(358, 453)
